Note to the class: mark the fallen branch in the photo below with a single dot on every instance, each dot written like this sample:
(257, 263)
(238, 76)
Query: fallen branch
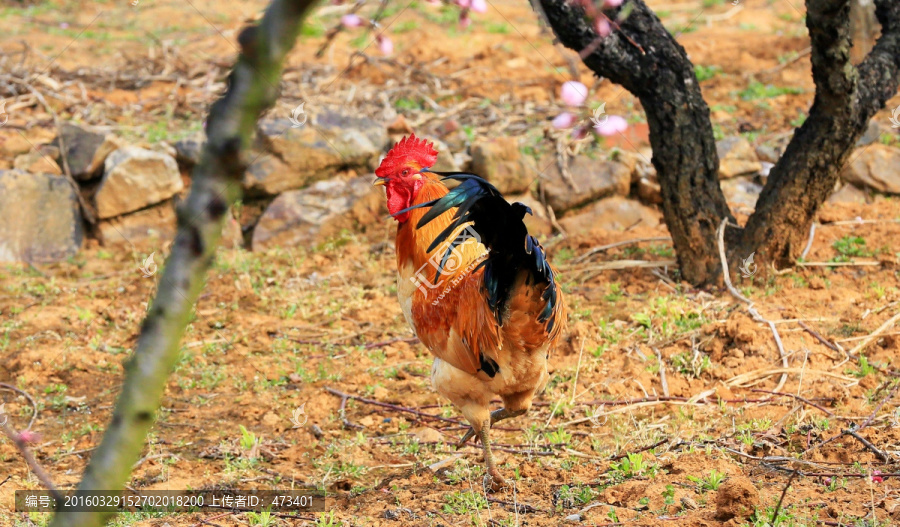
(394, 407)
(252, 88)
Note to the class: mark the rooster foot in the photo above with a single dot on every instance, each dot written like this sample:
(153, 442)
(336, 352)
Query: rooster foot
(494, 481)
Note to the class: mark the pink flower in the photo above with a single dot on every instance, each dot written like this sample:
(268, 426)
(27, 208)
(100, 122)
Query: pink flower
(351, 20)
(602, 27)
(385, 45)
(29, 437)
(563, 121)
(612, 126)
(479, 6)
(580, 132)
(464, 20)
(876, 478)
(613, 3)
(464, 3)
(573, 93)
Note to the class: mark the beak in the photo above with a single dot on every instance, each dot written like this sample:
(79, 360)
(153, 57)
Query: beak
(379, 182)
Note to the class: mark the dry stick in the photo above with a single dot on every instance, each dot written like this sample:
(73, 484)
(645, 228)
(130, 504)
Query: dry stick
(32, 463)
(643, 449)
(781, 499)
(720, 233)
(34, 405)
(881, 455)
(392, 406)
(608, 246)
(890, 322)
(662, 372)
(252, 89)
(797, 397)
(384, 343)
(820, 338)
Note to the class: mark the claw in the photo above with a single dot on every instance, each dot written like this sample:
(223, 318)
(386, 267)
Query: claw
(494, 481)
(468, 435)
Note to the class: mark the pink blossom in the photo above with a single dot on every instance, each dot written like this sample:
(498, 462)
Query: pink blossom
(464, 3)
(876, 477)
(573, 93)
(602, 27)
(385, 45)
(464, 20)
(580, 132)
(351, 20)
(479, 6)
(613, 3)
(564, 120)
(612, 126)
(29, 437)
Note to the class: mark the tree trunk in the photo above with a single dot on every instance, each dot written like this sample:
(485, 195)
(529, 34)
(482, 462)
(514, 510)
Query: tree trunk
(645, 59)
(846, 98)
(684, 150)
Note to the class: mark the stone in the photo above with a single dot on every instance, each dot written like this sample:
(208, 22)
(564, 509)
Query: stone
(39, 218)
(736, 498)
(154, 223)
(501, 162)
(876, 166)
(736, 157)
(317, 149)
(649, 190)
(85, 150)
(135, 178)
(768, 153)
(446, 161)
(594, 179)
(320, 212)
(741, 191)
(849, 194)
(611, 214)
(189, 149)
(37, 163)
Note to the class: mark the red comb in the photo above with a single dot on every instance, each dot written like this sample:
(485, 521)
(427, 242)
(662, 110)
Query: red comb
(408, 148)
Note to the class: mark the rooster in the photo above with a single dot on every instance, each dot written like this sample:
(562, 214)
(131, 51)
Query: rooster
(475, 287)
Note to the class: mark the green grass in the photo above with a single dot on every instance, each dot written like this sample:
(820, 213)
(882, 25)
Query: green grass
(705, 73)
(757, 90)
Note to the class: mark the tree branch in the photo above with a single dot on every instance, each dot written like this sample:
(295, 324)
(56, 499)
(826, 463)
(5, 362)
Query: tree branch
(846, 98)
(216, 185)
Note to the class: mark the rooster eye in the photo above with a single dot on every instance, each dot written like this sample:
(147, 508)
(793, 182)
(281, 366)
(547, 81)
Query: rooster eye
(405, 172)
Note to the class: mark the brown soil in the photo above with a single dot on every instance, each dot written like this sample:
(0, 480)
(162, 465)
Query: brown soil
(274, 330)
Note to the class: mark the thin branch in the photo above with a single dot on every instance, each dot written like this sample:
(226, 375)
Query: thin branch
(36, 468)
(252, 89)
(720, 234)
(34, 405)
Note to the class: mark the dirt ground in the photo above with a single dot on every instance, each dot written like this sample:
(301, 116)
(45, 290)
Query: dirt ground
(667, 405)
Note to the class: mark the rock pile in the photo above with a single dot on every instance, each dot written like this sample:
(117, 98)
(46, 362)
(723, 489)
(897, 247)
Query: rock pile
(310, 182)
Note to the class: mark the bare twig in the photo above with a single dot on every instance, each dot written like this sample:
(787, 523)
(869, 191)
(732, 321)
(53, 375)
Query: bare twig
(30, 460)
(34, 405)
(391, 406)
(602, 248)
(781, 499)
(720, 234)
(890, 322)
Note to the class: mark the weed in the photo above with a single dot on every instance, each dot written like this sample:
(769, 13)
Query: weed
(710, 482)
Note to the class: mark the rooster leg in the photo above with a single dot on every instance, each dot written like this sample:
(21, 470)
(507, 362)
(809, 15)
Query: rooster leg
(496, 415)
(493, 479)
